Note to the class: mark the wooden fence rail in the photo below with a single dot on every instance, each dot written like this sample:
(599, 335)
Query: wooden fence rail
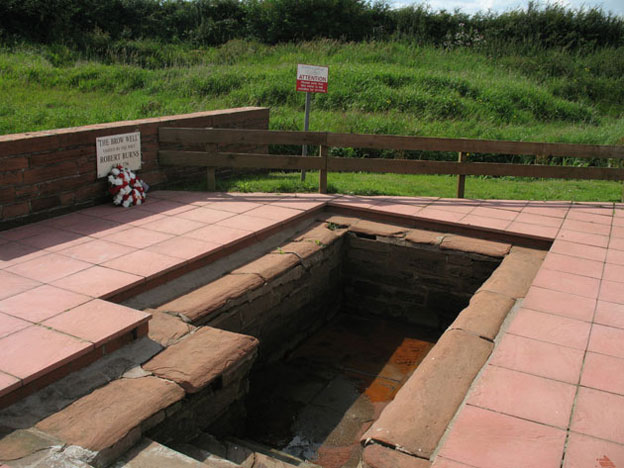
(211, 158)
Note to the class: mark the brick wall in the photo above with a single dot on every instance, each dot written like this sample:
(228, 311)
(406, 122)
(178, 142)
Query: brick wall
(51, 172)
(420, 284)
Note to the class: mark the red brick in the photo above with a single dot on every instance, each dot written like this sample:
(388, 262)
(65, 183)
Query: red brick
(11, 178)
(7, 194)
(44, 174)
(26, 192)
(67, 199)
(45, 203)
(14, 163)
(45, 159)
(15, 210)
(61, 185)
(90, 191)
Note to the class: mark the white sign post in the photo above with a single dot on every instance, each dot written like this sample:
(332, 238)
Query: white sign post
(310, 79)
(113, 150)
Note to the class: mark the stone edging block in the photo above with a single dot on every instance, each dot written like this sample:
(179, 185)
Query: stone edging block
(484, 315)
(211, 297)
(515, 274)
(102, 420)
(473, 245)
(378, 456)
(200, 358)
(418, 416)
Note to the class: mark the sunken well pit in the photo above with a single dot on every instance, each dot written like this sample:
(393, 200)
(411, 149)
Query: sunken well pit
(350, 342)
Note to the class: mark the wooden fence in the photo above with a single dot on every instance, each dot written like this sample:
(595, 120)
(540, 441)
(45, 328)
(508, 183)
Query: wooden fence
(211, 157)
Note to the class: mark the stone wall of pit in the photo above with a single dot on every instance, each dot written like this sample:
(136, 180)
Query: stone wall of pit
(426, 284)
(280, 298)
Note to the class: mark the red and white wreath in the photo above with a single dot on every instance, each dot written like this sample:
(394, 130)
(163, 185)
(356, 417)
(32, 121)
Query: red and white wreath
(126, 189)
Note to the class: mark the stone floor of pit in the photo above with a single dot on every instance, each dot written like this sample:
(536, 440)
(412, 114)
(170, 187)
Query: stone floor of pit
(318, 403)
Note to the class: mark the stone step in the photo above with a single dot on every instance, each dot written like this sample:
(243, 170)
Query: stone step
(250, 454)
(150, 454)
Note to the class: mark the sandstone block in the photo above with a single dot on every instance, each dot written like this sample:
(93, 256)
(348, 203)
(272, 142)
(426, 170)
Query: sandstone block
(150, 454)
(167, 329)
(515, 274)
(418, 236)
(418, 416)
(22, 443)
(371, 228)
(320, 234)
(104, 417)
(473, 245)
(201, 357)
(269, 266)
(207, 299)
(377, 456)
(484, 315)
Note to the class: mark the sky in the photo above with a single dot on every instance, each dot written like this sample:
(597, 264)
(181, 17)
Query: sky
(498, 6)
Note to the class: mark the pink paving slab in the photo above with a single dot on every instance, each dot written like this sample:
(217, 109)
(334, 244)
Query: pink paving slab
(607, 340)
(18, 356)
(599, 414)
(487, 439)
(550, 328)
(524, 395)
(539, 358)
(41, 303)
(48, 268)
(559, 303)
(13, 284)
(603, 372)
(97, 321)
(608, 313)
(143, 263)
(583, 452)
(570, 264)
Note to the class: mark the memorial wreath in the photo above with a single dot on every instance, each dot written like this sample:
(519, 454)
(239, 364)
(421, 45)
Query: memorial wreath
(126, 189)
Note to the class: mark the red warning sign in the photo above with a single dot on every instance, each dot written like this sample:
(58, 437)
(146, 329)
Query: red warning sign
(312, 79)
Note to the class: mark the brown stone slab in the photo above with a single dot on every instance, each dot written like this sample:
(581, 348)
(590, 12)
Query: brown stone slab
(484, 315)
(423, 408)
(22, 443)
(104, 417)
(371, 228)
(269, 266)
(201, 357)
(473, 245)
(418, 236)
(321, 234)
(515, 274)
(377, 456)
(166, 329)
(303, 249)
(150, 454)
(211, 297)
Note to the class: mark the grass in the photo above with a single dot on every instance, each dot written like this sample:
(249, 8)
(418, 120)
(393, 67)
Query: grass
(377, 87)
(505, 188)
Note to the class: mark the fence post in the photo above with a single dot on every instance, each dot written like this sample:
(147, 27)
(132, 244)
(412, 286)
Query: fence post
(211, 172)
(324, 151)
(461, 179)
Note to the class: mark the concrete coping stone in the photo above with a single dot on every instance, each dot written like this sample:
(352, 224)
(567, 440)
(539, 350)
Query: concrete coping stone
(419, 414)
(197, 360)
(102, 419)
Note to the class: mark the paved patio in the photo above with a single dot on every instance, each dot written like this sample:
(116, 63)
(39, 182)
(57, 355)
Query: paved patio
(552, 391)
